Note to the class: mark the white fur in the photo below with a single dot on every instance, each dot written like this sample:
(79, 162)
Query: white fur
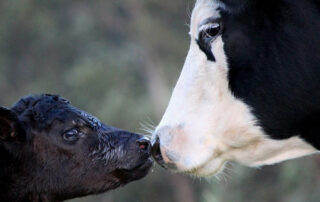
(205, 125)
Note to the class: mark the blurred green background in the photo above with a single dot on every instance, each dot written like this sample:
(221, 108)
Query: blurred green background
(119, 60)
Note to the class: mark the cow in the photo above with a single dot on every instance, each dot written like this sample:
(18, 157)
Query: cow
(51, 151)
(249, 90)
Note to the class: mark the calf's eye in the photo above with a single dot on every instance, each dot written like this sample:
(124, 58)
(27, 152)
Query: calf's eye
(71, 135)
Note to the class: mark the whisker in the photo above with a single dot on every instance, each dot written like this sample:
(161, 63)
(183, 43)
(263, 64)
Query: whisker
(217, 177)
(189, 10)
(147, 127)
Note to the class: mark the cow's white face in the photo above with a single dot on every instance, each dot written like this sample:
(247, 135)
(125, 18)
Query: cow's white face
(204, 125)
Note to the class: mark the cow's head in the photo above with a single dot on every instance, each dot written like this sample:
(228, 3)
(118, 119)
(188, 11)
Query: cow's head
(247, 89)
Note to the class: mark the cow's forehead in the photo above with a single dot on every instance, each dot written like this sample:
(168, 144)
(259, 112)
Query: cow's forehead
(204, 9)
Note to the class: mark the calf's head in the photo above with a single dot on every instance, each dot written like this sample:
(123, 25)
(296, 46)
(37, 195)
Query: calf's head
(249, 88)
(54, 151)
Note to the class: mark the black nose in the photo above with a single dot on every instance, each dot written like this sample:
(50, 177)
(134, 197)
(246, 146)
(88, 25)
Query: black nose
(156, 152)
(144, 144)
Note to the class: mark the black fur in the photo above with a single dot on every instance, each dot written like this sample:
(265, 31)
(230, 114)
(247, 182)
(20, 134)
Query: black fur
(234, 6)
(38, 164)
(273, 51)
(206, 48)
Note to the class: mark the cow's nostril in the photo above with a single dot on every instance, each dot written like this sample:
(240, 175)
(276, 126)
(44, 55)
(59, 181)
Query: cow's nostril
(156, 152)
(144, 144)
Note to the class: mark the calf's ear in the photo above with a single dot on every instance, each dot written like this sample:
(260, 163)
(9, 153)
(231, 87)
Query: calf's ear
(9, 125)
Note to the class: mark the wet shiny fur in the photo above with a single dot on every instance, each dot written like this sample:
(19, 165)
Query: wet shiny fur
(52, 151)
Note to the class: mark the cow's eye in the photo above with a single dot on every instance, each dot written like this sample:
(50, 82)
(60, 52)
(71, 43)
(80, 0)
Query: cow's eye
(71, 135)
(209, 32)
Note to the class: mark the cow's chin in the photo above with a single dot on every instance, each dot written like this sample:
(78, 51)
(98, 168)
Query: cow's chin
(210, 168)
(202, 162)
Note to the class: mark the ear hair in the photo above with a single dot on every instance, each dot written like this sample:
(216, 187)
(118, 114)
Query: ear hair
(7, 114)
(8, 124)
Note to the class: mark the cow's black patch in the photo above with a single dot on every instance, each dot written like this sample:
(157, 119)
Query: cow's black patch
(206, 48)
(273, 51)
(234, 6)
(207, 35)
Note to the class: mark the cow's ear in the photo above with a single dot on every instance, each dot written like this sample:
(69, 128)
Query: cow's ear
(9, 125)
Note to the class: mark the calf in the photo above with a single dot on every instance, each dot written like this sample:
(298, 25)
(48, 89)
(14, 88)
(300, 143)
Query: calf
(52, 151)
(249, 89)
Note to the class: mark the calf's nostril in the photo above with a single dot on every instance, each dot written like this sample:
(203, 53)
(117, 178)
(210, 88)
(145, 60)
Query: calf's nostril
(144, 144)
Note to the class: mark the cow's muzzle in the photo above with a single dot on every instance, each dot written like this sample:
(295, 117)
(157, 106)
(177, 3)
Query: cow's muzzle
(156, 152)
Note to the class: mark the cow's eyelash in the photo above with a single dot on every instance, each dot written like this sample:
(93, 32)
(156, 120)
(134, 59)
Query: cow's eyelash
(209, 21)
(208, 26)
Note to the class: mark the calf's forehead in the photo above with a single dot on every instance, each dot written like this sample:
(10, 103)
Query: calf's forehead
(45, 109)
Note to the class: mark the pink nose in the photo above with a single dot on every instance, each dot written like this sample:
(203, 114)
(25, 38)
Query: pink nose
(164, 158)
